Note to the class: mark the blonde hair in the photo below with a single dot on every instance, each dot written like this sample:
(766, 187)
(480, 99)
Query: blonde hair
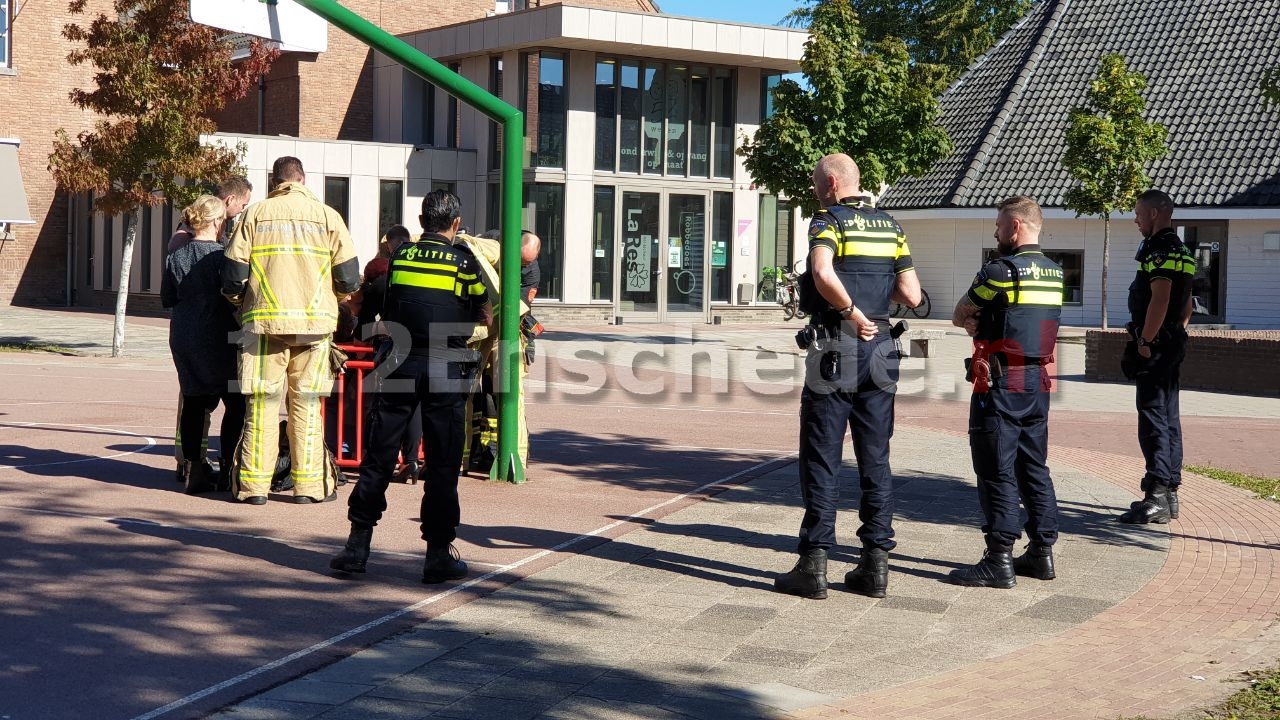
(205, 211)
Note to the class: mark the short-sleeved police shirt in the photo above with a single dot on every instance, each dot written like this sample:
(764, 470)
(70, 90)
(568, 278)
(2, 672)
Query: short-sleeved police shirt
(1163, 255)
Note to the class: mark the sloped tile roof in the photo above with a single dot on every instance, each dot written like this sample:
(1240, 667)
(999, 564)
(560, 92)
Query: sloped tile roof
(1203, 60)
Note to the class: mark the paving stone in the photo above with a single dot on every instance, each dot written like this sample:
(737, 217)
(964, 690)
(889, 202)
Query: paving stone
(482, 707)
(376, 708)
(781, 696)
(1065, 608)
(427, 688)
(771, 657)
(261, 708)
(312, 690)
(924, 605)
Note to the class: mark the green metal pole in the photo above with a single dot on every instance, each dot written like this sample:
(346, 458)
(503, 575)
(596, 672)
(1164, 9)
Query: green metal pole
(507, 466)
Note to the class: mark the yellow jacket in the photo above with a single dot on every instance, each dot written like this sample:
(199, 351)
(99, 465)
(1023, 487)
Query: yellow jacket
(288, 262)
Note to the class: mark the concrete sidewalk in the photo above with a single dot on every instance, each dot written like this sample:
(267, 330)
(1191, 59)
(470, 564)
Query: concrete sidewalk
(676, 618)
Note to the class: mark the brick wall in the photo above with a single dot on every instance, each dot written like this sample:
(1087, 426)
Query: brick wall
(556, 315)
(1227, 361)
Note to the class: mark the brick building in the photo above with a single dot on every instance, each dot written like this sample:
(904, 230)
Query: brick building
(326, 96)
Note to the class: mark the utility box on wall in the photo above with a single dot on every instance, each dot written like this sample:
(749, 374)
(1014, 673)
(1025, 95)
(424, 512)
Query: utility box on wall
(746, 291)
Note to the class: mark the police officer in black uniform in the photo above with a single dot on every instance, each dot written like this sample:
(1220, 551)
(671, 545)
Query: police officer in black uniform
(1012, 310)
(435, 293)
(1160, 306)
(859, 259)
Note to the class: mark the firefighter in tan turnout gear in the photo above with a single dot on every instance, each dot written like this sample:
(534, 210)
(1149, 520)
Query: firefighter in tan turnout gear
(289, 262)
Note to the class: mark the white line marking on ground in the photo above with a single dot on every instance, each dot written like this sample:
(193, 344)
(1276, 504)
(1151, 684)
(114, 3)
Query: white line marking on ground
(232, 682)
(151, 442)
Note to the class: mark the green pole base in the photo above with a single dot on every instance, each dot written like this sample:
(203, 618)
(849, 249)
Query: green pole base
(507, 469)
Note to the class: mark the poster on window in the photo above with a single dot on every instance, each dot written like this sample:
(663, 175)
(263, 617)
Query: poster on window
(636, 254)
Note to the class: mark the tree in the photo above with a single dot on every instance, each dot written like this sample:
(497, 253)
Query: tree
(1109, 146)
(875, 105)
(159, 79)
(1271, 86)
(948, 34)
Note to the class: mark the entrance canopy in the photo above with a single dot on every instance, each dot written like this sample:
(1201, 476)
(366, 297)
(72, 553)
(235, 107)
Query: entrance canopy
(622, 33)
(13, 196)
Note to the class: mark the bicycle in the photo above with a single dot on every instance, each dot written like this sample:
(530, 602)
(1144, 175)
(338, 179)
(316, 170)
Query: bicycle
(788, 294)
(921, 311)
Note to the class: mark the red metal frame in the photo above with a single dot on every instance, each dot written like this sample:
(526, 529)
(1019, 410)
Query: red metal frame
(359, 361)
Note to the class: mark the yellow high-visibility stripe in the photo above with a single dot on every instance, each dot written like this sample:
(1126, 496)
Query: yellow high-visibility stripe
(259, 402)
(475, 289)
(864, 248)
(890, 234)
(985, 292)
(427, 266)
(1036, 297)
(422, 280)
(264, 287)
(292, 250)
(277, 314)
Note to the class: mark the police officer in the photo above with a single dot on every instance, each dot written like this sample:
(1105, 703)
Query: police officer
(1160, 305)
(1012, 310)
(859, 259)
(435, 293)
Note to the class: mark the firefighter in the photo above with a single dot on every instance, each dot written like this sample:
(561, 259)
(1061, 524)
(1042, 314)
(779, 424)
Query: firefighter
(289, 262)
(434, 291)
(1012, 311)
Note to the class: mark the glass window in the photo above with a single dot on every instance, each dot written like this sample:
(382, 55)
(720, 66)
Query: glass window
(4, 33)
(88, 243)
(495, 130)
(1207, 241)
(721, 239)
(606, 115)
(699, 129)
(774, 243)
(108, 249)
(442, 185)
(602, 245)
(452, 110)
(629, 101)
(767, 84)
(677, 119)
(147, 247)
(655, 108)
(428, 127)
(722, 114)
(549, 113)
(337, 195)
(492, 206)
(544, 212)
(390, 205)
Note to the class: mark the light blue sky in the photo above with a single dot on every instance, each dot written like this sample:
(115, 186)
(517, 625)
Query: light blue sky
(759, 12)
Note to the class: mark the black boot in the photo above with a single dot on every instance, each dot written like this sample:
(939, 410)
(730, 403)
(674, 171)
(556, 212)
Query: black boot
(355, 555)
(808, 578)
(201, 477)
(994, 570)
(1145, 487)
(871, 577)
(1173, 502)
(442, 564)
(1036, 562)
(1154, 508)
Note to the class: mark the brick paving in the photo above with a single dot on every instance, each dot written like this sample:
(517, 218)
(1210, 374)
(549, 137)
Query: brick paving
(674, 616)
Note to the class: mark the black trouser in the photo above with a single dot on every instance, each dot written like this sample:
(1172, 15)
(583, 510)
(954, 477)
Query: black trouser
(441, 402)
(195, 408)
(1009, 442)
(1159, 425)
(861, 399)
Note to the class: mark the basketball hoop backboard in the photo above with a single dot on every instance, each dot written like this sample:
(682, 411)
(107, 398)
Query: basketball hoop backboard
(284, 21)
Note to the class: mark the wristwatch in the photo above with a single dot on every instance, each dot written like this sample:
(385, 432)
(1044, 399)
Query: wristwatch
(1143, 342)
(845, 313)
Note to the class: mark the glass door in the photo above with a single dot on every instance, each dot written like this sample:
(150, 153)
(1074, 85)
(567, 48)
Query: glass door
(686, 257)
(1208, 243)
(639, 262)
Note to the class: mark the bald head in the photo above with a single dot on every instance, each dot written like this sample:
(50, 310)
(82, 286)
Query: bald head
(530, 246)
(836, 176)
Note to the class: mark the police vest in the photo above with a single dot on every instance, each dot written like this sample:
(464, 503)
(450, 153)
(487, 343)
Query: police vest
(1163, 255)
(1020, 298)
(870, 250)
(434, 291)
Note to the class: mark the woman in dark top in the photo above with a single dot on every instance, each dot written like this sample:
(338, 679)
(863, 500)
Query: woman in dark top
(198, 338)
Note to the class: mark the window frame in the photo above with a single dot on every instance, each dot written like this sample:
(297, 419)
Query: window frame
(345, 208)
(6, 35)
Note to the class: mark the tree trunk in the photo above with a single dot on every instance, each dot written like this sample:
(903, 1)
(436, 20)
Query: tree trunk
(132, 220)
(1106, 261)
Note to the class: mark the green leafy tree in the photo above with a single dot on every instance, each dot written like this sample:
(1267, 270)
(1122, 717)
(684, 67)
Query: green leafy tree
(159, 79)
(870, 102)
(947, 34)
(1109, 146)
(1271, 86)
